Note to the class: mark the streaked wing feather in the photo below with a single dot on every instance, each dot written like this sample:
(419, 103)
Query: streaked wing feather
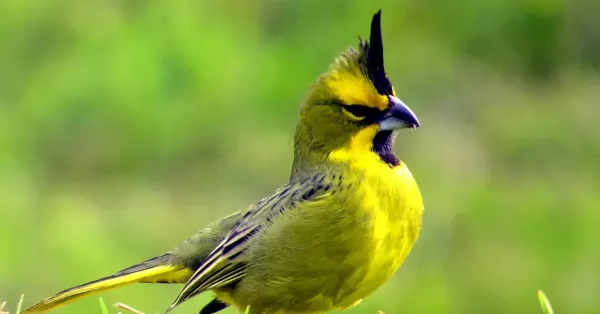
(225, 265)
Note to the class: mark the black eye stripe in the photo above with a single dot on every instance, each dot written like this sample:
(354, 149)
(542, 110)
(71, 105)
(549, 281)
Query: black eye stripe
(361, 111)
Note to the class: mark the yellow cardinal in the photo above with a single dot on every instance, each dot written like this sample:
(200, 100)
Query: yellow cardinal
(334, 233)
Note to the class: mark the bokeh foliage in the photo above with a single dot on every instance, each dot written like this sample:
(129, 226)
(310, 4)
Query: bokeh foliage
(127, 125)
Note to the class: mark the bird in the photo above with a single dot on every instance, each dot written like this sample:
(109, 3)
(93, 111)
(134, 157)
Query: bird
(341, 226)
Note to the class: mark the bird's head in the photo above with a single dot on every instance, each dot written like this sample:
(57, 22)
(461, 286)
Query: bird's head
(352, 109)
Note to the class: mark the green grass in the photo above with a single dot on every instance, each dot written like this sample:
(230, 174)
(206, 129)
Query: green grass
(103, 306)
(544, 303)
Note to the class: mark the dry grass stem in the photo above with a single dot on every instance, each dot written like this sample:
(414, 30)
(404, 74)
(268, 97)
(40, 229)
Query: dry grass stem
(127, 308)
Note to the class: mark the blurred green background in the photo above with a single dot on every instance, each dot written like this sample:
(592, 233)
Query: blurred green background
(127, 125)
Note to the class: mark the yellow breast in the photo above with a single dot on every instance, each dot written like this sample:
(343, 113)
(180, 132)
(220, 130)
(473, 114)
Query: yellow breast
(391, 200)
(395, 205)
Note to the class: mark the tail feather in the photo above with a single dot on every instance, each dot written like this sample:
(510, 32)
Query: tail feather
(155, 270)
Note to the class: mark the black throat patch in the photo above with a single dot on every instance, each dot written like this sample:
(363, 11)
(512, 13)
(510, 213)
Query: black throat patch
(382, 146)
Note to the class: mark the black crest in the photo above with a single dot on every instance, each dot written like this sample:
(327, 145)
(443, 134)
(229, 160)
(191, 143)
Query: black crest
(371, 57)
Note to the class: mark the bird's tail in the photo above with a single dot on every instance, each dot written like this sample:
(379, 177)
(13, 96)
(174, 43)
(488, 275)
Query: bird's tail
(156, 270)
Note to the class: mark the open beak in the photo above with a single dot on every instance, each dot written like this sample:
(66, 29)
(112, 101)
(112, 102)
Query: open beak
(398, 116)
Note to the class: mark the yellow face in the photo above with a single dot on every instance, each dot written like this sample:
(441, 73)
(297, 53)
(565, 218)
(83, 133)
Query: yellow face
(353, 108)
(356, 106)
(348, 83)
(342, 103)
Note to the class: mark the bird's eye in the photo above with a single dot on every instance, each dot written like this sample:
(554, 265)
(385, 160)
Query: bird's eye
(360, 111)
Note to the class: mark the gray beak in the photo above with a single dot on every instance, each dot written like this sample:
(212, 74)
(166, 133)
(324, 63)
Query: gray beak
(398, 116)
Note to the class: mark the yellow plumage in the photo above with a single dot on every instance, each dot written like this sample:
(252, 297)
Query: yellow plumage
(329, 237)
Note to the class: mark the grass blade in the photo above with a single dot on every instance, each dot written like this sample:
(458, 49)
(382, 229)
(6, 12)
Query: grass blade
(544, 303)
(103, 306)
(20, 305)
(2, 308)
